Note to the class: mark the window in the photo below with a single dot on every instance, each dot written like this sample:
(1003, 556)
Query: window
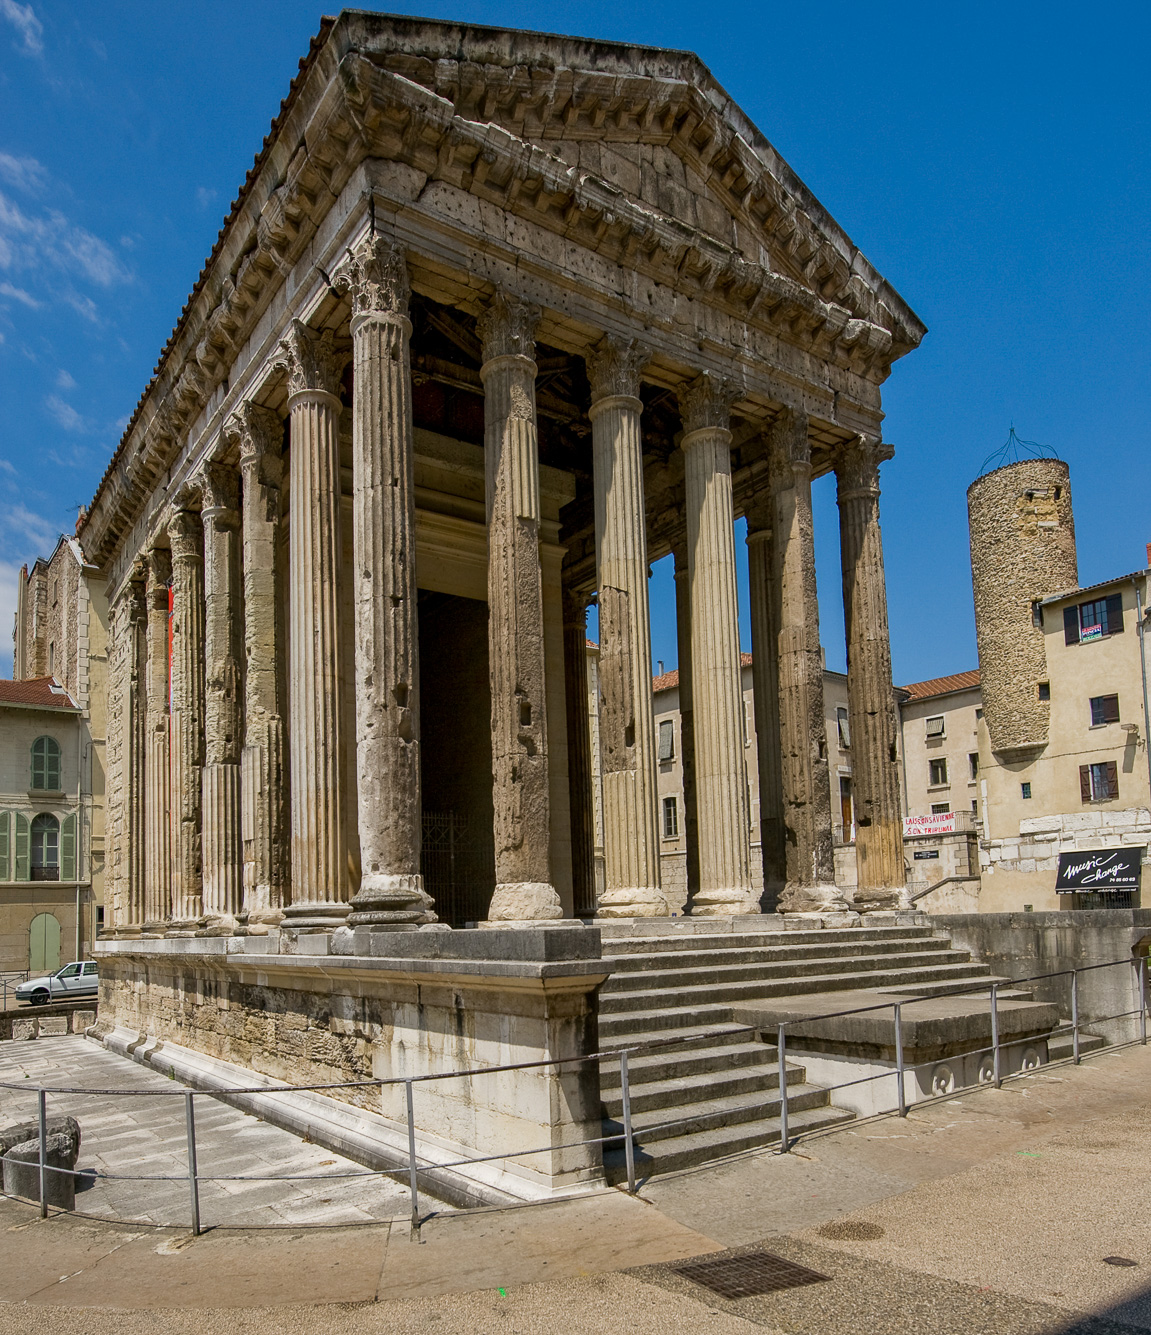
(1104, 709)
(670, 818)
(939, 808)
(45, 848)
(51, 658)
(748, 722)
(844, 728)
(978, 715)
(973, 765)
(69, 971)
(938, 772)
(1093, 620)
(935, 726)
(666, 740)
(90, 969)
(1045, 690)
(1099, 783)
(46, 765)
(1025, 790)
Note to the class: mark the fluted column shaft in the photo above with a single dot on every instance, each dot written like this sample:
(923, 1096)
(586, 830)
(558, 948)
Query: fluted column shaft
(686, 724)
(627, 721)
(520, 795)
(320, 888)
(185, 533)
(157, 761)
(581, 776)
(717, 696)
(259, 434)
(391, 895)
(134, 764)
(804, 768)
(223, 701)
(870, 694)
(765, 696)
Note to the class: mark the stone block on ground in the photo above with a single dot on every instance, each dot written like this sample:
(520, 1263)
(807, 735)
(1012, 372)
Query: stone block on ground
(53, 1026)
(23, 1029)
(82, 1020)
(21, 1159)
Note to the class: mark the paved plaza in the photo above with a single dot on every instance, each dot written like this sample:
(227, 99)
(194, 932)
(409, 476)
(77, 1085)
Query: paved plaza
(991, 1212)
(139, 1136)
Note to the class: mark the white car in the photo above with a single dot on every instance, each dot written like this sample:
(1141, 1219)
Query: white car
(79, 979)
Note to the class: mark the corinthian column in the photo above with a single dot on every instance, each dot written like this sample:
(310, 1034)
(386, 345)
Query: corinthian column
(157, 763)
(134, 762)
(581, 775)
(185, 533)
(686, 722)
(319, 856)
(627, 719)
(391, 895)
(259, 434)
(524, 892)
(870, 695)
(223, 738)
(791, 605)
(717, 697)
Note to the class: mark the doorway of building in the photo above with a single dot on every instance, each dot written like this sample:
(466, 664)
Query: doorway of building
(458, 852)
(846, 814)
(44, 944)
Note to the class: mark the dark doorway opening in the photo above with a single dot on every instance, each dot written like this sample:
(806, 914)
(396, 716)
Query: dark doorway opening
(458, 851)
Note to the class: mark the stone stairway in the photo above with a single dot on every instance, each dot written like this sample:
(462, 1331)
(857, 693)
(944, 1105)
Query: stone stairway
(710, 1092)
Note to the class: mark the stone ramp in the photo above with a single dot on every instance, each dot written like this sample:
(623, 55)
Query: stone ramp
(711, 1089)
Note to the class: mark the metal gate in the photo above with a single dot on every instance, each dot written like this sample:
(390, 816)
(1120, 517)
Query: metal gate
(459, 866)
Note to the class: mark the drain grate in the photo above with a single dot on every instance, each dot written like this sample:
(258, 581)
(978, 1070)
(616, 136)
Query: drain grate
(748, 1275)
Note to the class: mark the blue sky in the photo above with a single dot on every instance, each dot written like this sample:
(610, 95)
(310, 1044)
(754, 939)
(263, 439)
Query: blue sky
(991, 160)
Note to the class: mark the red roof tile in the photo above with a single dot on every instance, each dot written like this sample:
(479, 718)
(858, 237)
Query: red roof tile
(36, 691)
(960, 681)
(666, 680)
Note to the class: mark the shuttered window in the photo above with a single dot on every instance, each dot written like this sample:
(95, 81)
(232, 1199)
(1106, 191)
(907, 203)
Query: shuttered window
(5, 847)
(666, 739)
(68, 848)
(22, 848)
(1093, 620)
(46, 764)
(1099, 782)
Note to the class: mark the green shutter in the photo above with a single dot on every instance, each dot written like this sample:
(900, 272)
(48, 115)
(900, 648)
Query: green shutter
(38, 776)
(23, 842)
(5, 868)
(68, 849)
(52, 766)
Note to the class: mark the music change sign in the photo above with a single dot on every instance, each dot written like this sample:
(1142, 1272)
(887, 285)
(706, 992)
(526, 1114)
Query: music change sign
(1099, 870)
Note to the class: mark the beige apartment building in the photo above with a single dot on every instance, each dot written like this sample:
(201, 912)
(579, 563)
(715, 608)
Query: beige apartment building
(52, 764)
(939, 731)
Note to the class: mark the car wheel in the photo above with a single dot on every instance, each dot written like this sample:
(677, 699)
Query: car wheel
(41, 998)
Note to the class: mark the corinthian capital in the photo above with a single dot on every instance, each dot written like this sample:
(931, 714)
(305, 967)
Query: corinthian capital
(614, 367)
(857, 466)
(219, 493)
(375, 275)
(706, 402)
(158, 571)
(507, 328)
(789, 448)
(186, 534)
(259, 434)
(310, 360)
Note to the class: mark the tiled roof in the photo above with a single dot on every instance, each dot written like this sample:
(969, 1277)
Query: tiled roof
(666, 680)
(37, 692)
(959, 681)
(1090, 588)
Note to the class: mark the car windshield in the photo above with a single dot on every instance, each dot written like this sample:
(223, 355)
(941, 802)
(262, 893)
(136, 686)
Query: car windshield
(69, 971)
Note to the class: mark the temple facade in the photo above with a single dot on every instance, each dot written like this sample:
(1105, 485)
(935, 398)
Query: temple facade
(496, 320)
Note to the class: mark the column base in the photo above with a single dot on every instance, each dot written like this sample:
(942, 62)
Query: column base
(217, 924)
(317, 916)
(524, 903)
(724, 903)
(819, 899)
(813, 919)
(871, 899)
(387, 902)
(150, 931)
(182, 927)
(636, 902)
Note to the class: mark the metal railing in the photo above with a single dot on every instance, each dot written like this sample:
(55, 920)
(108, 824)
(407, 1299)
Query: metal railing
(422, 1164)
(9, 981)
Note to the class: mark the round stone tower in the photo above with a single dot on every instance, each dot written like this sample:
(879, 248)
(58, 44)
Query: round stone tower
(1022, 549)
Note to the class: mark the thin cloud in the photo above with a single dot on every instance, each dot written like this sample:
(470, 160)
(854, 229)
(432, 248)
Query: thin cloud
(23, 19)
(64, 380)
(205, 197)
(23, 173)
(30, 242)
(64, 414)
(8, 467)
(36, 533)
(18, 294)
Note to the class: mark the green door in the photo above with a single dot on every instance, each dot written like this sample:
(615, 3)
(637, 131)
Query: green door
(44, 944)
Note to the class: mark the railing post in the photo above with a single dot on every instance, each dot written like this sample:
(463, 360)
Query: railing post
(1141, 969)
(995, 1057)
(1075, 1016)
(42, 1115)
(412, 1174)
(899, 1058)
(193, 1182)
(628, 1143)
(784, 1147)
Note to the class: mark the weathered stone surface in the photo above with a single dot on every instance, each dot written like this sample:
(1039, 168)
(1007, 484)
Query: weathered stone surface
(157, 765)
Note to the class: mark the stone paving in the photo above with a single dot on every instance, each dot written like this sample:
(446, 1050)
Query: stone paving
(143, 1136)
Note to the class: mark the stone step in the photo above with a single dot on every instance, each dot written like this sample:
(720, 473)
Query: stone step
(693, 959)
(948, 988)
(1062, 1048)
(678, 1063)
(687, 1151)
(672, 980)
(694, 1091)
(709, 986)
(638, 944)
(686, 1119)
